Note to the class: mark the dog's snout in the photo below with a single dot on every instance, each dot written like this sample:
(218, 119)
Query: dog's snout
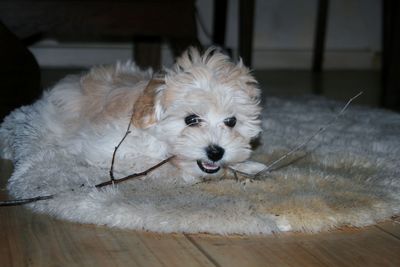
(215, 152)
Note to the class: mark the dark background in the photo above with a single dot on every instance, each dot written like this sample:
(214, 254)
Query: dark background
(150, 25)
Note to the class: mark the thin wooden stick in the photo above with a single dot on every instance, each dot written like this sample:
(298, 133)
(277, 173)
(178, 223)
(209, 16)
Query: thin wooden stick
(22, 201)
(128, 131)
(17, 202)
(135, 175)
(308, 140)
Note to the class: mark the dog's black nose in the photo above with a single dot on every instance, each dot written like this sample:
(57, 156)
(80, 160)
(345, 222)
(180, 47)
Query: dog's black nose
(215, 152)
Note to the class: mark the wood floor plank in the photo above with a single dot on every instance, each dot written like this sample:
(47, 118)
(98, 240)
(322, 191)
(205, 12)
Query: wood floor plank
(391, 227)
(39, 240)
(255, 251)
(365, 247)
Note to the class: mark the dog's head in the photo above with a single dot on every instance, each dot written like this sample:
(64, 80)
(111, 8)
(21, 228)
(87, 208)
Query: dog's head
(206, 108)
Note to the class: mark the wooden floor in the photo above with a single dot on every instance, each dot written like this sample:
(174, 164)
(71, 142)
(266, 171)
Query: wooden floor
(28, 239)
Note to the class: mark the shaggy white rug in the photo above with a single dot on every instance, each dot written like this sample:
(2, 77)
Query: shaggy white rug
(349, 175)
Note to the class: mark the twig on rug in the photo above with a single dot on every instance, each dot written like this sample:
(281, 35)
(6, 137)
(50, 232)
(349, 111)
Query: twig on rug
(22, 201)
(135, 175)
(308, 140)
(301, 145)
(17, 202)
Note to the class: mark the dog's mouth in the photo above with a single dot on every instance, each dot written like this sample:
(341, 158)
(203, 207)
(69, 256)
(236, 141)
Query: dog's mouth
(208, 167)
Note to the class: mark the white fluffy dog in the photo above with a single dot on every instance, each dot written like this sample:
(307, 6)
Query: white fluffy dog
(204, 110)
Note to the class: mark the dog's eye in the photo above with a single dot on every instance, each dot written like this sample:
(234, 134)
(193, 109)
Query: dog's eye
(230, 122)
(192, 120)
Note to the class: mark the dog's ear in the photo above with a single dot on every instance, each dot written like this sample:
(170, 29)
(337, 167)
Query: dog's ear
(145, 108)
(248, 83)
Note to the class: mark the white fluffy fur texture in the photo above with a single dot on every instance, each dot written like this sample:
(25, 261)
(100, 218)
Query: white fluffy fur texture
(349, 175)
